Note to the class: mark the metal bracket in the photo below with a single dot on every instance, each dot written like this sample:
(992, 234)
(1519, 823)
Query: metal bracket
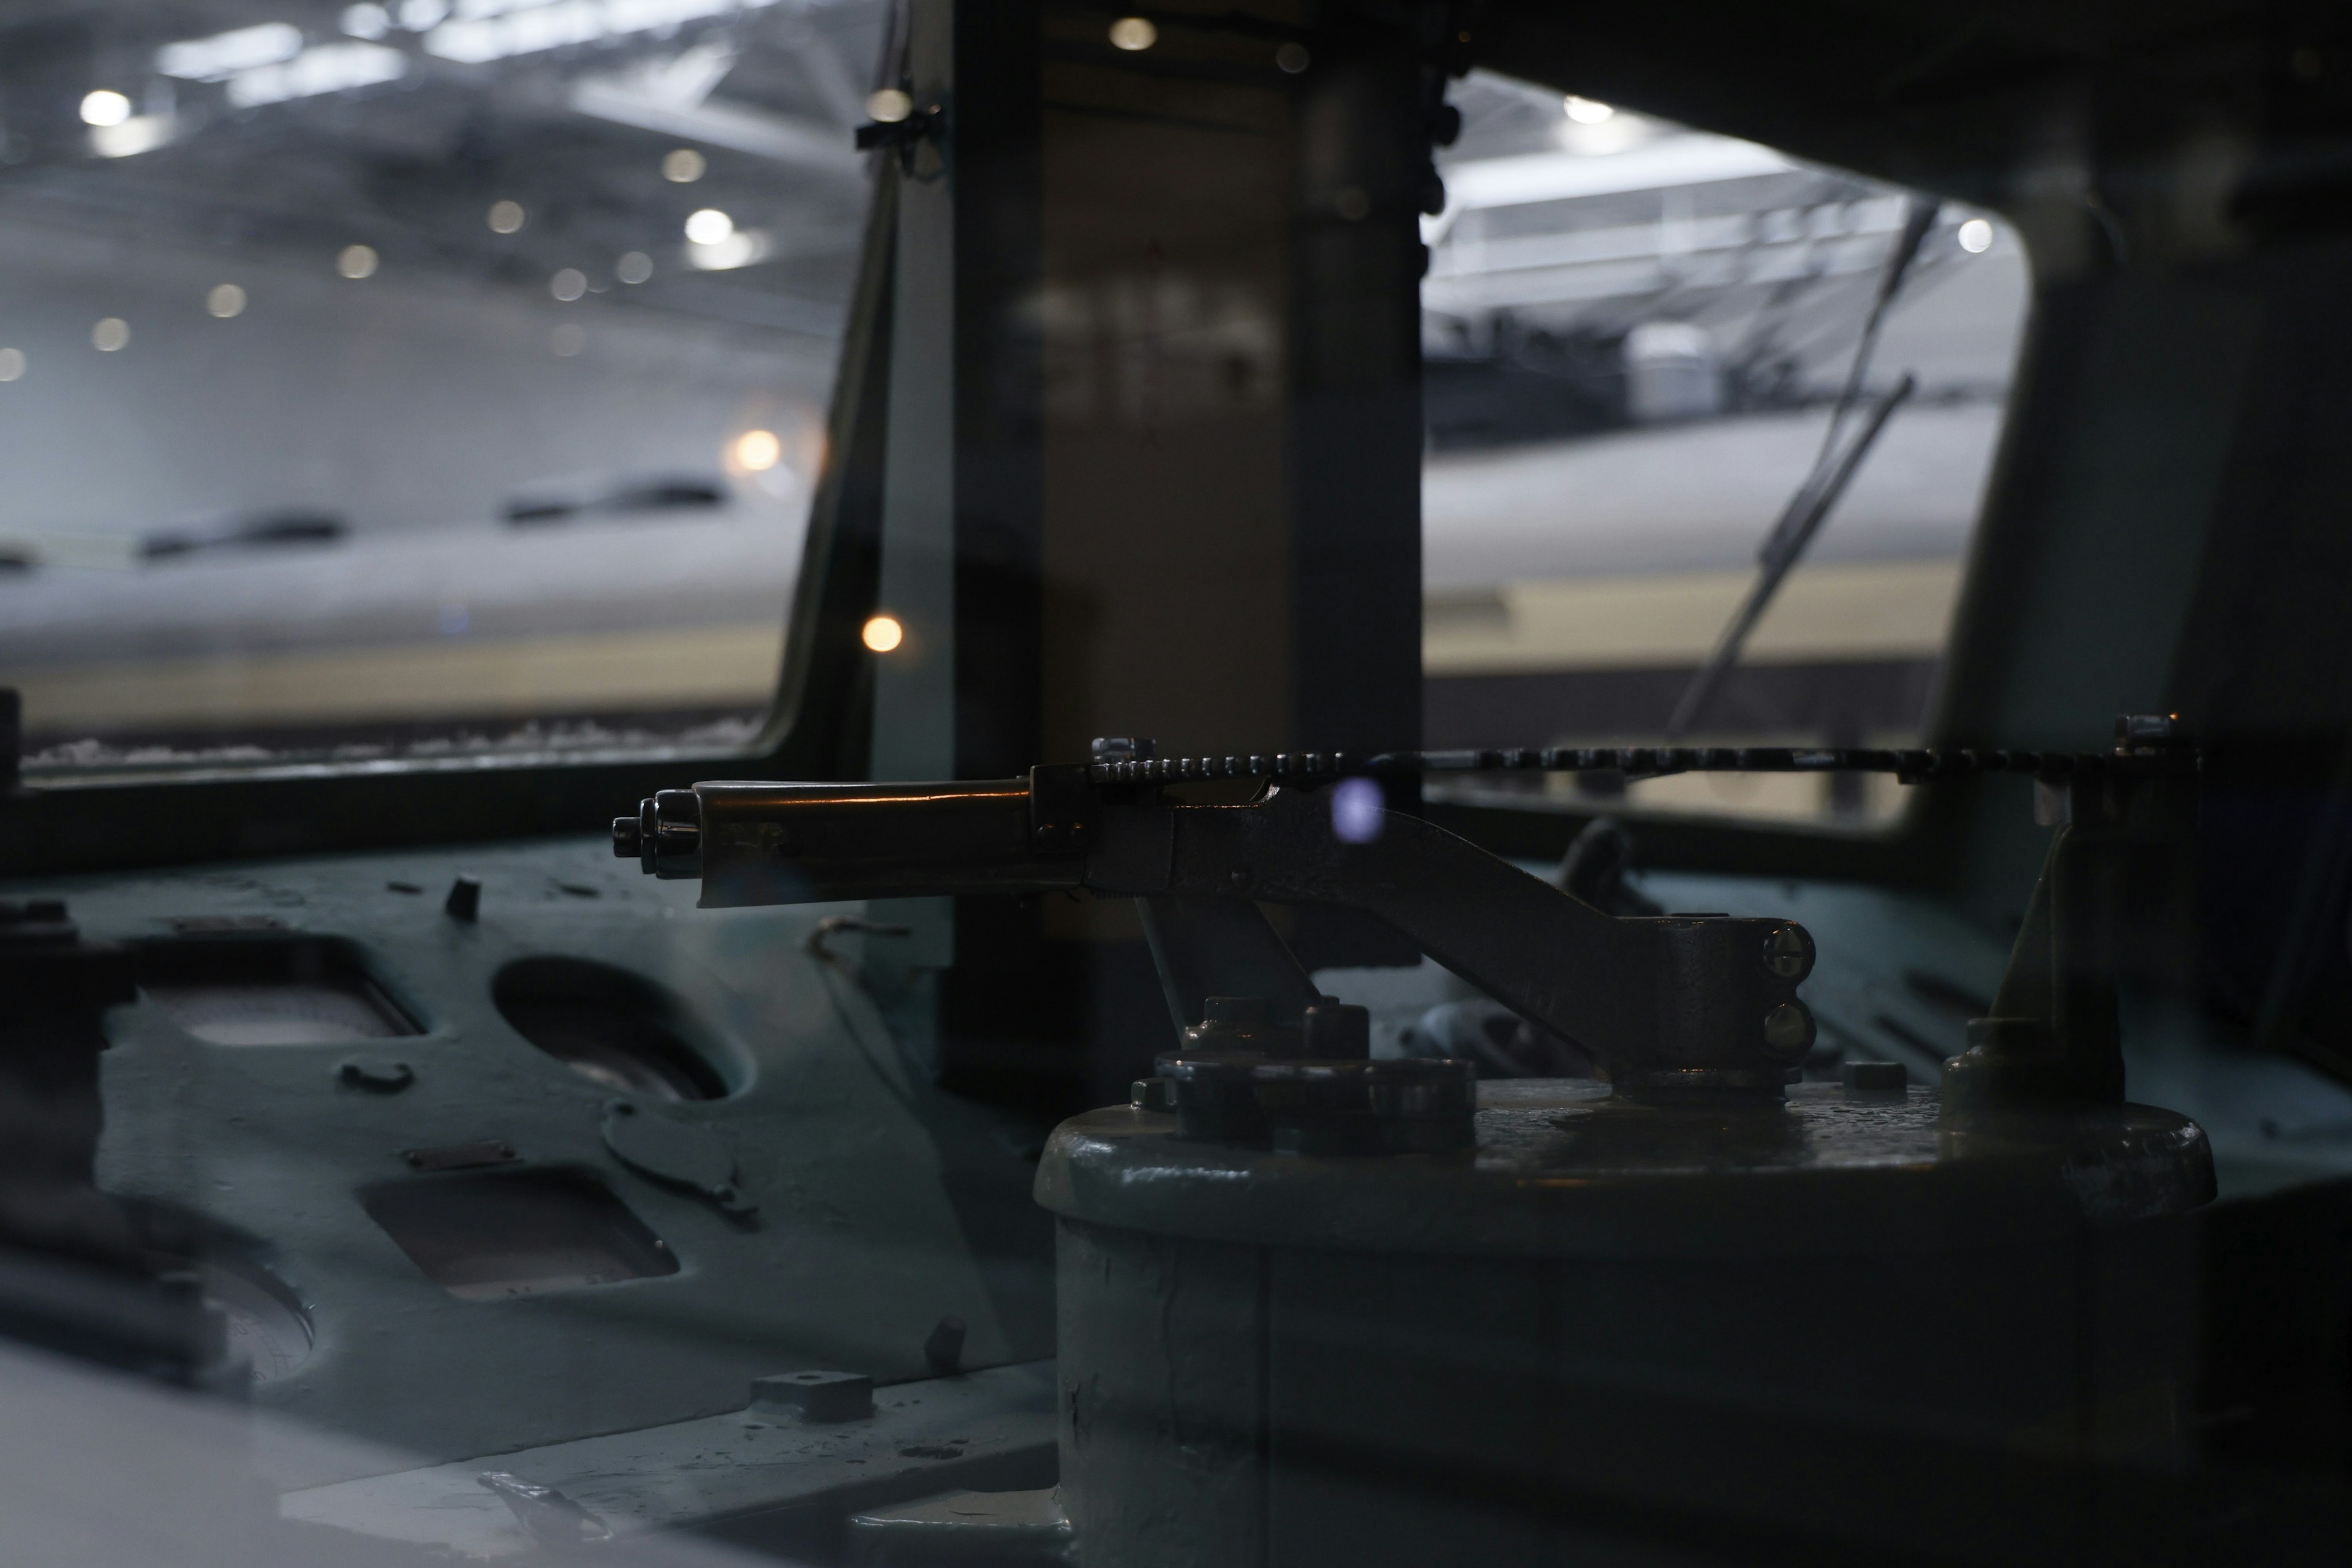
(2055, 1039)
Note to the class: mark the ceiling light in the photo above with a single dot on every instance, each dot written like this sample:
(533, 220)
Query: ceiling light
(633, 268)
(740, 248)
(709, 226)
(223, 55)
(757, 451)
(12, 363)
(416, 16)
(1132, 34)
(683, 166)
(568, 285)
(366, 21)
(882, 633)
(110, 335)
(504, 217)
(1975, 236)
(104, 106)
(498, 29)
(139, 133)
(356, 261)
(329, 68)
(1586, 110)
(226, 300)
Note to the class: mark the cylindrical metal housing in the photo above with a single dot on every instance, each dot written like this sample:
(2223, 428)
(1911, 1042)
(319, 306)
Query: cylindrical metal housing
(1611, 1318)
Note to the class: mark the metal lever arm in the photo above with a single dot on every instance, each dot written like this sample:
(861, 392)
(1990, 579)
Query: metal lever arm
(1685, 1001)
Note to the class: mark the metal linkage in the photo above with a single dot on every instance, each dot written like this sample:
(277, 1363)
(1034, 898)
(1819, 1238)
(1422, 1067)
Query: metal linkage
(1910, 765)
(1671, 1004)
(1677, 1004)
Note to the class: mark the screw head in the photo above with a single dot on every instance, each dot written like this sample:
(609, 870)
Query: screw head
(1789, 954)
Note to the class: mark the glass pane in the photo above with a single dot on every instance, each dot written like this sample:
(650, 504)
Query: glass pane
(412, 381)
(1637, 340)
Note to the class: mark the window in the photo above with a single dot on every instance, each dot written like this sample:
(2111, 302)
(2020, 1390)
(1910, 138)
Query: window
(1637, 336)
(402, 381)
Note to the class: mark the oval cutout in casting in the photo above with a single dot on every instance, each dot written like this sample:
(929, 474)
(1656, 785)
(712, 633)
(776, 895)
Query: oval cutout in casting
(607, 1025)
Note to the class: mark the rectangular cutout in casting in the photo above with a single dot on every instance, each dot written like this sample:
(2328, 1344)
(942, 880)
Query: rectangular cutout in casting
(268, 991)
(516, 1233)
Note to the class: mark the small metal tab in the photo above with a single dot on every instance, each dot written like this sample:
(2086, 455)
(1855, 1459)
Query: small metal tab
(459, 1156)
(826, 1396)
(1873, 1077)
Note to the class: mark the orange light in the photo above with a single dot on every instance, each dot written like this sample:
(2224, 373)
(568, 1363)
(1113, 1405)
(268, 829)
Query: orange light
(882, 633)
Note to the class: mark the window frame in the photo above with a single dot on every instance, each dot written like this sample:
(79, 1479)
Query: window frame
(816, 725)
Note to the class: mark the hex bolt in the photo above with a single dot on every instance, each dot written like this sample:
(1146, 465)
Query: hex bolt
(465, 900)
(670, 834)
(1789, 954)
(1156, 1094)
(628, 838)
(1787, 1032)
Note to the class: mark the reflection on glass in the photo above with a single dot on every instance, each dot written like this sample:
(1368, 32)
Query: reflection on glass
(1635, 335)
(539, 484)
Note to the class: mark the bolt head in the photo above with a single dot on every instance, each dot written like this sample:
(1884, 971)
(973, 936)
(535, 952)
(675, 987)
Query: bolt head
(1788, 1033)
(1789, 954)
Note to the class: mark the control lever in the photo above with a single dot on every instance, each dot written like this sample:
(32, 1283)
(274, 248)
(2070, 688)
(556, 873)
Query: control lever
(1670, 1006)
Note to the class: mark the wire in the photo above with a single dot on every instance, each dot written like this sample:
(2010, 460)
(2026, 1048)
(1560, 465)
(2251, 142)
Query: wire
(1802, 518)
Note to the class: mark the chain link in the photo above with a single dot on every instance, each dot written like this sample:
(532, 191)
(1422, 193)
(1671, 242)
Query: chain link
(1909, 766)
